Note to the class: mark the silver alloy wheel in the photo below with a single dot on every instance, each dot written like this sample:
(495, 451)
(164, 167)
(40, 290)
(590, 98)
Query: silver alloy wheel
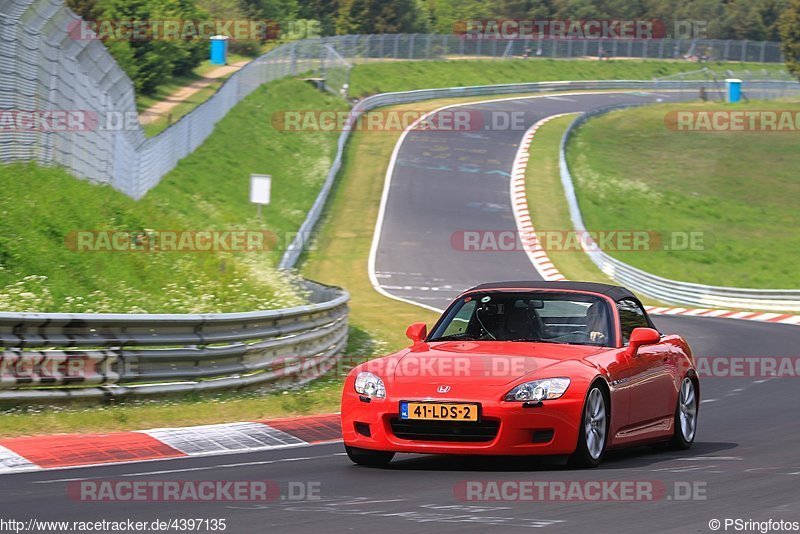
(687, 407)
(595, 423)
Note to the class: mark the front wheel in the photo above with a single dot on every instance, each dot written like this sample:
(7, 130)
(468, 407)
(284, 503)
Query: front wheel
(593, 431)
(685, 416)
(368, 458)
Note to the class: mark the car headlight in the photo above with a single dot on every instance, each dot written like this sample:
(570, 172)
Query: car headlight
(370, 385)
(538, 390)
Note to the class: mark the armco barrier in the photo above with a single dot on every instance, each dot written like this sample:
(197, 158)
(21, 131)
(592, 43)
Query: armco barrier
(55, 356)
(656, 286)
(755, 89)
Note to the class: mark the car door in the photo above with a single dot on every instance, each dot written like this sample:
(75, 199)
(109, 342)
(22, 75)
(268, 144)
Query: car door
(651, 381)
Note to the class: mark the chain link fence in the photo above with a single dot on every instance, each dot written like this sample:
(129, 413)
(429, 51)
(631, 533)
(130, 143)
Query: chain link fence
(45, 69)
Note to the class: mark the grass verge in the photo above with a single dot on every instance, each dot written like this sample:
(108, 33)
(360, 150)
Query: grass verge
(547, 203)
(646, 176)
(549, 209)
(208, 191)
(372, 78)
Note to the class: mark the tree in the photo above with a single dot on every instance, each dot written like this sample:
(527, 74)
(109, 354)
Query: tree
(151, 62)
(85, 9)
(770, 13)
(382, 16)
(325, 11)
(743, 21)
(790, 36)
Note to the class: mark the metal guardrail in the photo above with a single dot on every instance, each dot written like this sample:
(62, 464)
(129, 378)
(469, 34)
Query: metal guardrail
(45, 68)
(754, 88)
(58, 356)
(658, 287)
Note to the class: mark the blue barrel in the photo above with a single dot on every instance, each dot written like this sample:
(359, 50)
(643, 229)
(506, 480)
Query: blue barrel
(734, 90)
(219, 50)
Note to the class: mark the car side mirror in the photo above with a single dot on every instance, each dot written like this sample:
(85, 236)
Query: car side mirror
(417, 332)
(642, 336)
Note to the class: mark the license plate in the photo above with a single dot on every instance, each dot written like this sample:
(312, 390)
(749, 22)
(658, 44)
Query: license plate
(439, 411)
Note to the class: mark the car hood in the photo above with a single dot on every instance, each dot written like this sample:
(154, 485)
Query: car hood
(489, 363)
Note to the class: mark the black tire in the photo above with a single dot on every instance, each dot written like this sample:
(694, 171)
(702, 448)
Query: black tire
(368, 458)
(681, 439)
(586, 454)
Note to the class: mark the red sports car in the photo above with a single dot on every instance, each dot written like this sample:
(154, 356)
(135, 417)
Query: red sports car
(526, 368)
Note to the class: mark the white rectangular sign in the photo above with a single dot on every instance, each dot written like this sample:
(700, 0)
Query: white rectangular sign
(260, 185)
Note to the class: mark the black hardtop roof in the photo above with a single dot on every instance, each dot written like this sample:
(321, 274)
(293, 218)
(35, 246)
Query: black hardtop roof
(614, 292)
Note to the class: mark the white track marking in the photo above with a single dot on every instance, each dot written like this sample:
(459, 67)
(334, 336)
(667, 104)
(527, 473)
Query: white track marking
(168, 458)
(11, 462)
(233, 437)
(519, 205)
(373, 253)
(192, 469)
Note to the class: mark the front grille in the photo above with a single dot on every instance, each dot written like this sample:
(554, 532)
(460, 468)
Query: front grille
(445, 430)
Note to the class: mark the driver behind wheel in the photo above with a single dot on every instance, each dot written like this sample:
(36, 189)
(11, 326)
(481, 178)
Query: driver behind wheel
(596, 322)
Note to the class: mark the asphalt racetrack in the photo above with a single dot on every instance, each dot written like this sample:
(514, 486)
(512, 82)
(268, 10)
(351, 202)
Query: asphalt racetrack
(745, 463)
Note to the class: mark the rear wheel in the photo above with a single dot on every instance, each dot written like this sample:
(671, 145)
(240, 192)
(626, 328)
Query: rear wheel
(593, 430)
(685, 416)
(368, 458)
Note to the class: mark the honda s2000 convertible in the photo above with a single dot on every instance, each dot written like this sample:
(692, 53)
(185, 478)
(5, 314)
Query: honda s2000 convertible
(526, 368)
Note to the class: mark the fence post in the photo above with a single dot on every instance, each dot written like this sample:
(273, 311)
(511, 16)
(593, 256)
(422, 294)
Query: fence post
(365, 53)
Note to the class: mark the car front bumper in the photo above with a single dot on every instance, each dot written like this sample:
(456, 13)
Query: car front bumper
(549, 429)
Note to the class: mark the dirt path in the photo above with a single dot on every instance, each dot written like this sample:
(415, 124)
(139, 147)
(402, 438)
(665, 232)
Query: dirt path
(162, 108)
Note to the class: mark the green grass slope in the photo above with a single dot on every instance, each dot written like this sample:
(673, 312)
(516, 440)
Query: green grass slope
(408, 75)
(740, 190)
(208, 190)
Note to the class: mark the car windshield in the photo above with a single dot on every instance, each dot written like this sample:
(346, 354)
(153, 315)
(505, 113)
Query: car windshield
(540, 316)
